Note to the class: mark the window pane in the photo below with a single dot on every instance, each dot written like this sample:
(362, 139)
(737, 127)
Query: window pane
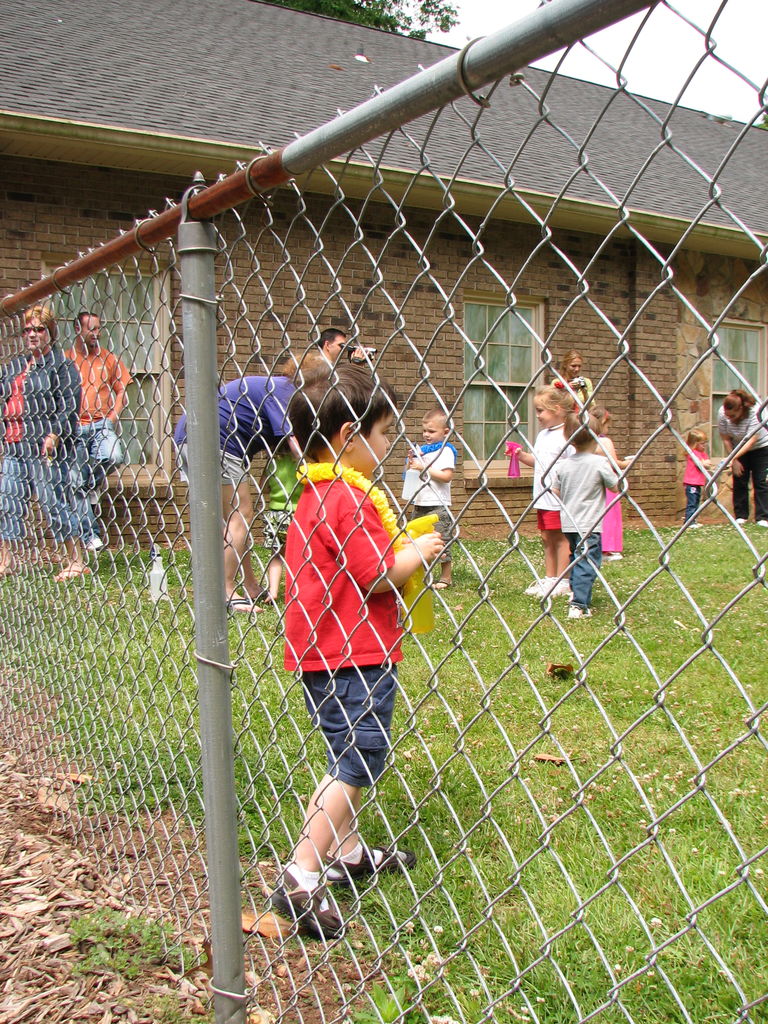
(136, 421)
(742, 348)
(473, 405)
(499, 322)
(498, 363)
(475, 321)
(494, 433)
(473, 438)
(509, 360)
(495, 407)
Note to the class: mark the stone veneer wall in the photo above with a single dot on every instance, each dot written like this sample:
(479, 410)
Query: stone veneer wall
(713, 285)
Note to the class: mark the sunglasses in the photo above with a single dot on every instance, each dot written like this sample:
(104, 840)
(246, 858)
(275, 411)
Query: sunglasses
(35, 330)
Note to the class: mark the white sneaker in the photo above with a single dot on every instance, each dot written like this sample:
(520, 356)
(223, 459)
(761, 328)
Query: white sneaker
(539, 588)
(579, 613)
(613, 557)
(562, 589)
(94, 544)
(697, 526)
(762, 522)
(741, 521)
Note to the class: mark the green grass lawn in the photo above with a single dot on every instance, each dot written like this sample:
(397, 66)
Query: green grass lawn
(622, 880)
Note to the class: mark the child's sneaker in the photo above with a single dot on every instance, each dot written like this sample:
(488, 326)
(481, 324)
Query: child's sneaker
(539, 588)
(613, 556)
(574, 612)
(310, 910)
(563, 589)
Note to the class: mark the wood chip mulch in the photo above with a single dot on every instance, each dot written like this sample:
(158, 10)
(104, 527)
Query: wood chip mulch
(45, 883)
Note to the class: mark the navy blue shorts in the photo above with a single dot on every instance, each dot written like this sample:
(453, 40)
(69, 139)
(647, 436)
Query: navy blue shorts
(353, 707)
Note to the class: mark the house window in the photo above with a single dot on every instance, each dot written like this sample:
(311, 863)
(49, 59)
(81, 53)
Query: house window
(499, 362)
(134, 325)
(740, 358)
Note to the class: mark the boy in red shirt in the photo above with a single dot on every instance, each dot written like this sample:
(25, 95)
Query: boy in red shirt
(345, 558)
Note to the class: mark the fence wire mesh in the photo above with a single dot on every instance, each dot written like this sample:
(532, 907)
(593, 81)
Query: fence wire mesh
(585, 798)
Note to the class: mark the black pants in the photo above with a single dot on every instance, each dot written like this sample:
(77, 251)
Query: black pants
(755, 464)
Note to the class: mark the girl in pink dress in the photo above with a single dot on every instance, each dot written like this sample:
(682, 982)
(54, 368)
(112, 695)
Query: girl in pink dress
(613, 526)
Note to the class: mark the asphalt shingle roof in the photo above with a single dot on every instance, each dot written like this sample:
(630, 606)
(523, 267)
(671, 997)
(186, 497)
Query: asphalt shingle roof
(249, 73)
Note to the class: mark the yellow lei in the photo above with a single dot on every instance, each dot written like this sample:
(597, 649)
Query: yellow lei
(316, 471)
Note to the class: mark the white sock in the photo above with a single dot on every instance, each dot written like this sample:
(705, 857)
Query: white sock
(354, 856)
(309, 880)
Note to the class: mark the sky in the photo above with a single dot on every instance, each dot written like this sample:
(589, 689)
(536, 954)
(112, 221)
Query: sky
(663, 57)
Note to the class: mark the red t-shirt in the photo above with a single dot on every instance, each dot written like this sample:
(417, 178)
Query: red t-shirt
(14, 411)
(335, 551)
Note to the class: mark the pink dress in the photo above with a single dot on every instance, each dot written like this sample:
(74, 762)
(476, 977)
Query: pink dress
(613, 526)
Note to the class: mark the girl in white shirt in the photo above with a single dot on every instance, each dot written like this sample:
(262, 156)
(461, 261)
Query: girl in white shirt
(552, 405)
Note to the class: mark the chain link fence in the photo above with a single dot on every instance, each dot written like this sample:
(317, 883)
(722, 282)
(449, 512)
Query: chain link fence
(586, 799)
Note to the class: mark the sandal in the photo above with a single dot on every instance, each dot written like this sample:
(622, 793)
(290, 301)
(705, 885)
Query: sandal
(241, 604)
(440, 585)
(303, 907)
(66, 575)
(337, 872)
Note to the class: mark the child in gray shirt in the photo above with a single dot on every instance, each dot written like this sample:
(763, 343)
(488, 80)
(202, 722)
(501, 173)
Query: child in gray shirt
(581, 482)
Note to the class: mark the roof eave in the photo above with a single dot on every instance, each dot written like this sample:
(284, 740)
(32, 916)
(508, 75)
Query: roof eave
(77, 142)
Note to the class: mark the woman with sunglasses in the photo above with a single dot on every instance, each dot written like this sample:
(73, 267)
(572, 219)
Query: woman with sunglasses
(40, 401)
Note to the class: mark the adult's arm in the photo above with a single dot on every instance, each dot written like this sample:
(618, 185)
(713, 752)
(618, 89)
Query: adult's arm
(67, 393)
(120, 381)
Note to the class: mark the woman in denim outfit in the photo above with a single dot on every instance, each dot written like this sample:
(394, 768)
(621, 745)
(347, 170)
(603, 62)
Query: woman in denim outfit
(40, 399)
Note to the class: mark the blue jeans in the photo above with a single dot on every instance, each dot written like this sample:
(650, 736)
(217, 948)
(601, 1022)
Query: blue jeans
(98, 452)
(586, 559)
(692, 500)
(49, 480)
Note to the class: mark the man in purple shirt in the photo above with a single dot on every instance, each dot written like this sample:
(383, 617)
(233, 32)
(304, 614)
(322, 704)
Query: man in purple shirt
(252, 418)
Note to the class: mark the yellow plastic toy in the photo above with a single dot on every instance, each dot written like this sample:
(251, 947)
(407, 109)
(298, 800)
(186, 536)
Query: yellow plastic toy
(420, 617)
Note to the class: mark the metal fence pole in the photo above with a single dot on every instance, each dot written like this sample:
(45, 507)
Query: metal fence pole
(197, 249)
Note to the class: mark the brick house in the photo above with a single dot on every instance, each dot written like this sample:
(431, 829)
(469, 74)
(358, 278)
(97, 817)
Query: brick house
(624, 256)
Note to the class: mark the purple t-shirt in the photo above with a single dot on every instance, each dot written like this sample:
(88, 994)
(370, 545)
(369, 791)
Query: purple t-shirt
(253, 414)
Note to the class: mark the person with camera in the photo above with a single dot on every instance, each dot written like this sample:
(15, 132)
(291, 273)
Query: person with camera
(570, 373)
(333, 341)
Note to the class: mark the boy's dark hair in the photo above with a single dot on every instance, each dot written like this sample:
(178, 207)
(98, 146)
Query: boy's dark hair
(78, 321)
(578, 433)
(330, 334)
(324, 403)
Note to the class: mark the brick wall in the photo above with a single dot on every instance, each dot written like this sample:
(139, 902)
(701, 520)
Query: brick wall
(404, 289)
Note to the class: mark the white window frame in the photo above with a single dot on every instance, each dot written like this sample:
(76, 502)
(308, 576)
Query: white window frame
(759, 385)
(536, 307)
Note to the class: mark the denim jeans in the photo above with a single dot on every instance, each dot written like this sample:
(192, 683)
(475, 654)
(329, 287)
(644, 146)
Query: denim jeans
(49, 480)
(586, 559)
(692, 500)
(98, 452)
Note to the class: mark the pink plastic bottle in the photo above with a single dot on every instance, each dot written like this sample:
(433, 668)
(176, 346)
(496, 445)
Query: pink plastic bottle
(513, 450)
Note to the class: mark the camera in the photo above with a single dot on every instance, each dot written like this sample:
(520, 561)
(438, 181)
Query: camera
(361, 354)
